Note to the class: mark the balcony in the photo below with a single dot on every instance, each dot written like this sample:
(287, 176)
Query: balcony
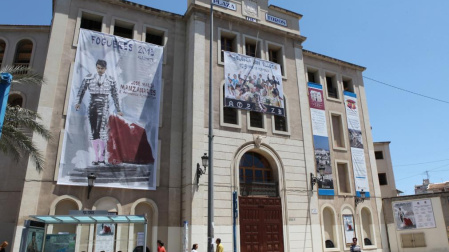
(259, 189)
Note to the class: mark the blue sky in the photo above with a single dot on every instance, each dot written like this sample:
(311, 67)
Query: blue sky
(404, 43)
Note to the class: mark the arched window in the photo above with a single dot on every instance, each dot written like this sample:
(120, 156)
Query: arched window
(2, 51)
(256, 176)
(24, 50)
(15, 100)
(367, 227)
(62, 208)
(143, 208)
(329, 228)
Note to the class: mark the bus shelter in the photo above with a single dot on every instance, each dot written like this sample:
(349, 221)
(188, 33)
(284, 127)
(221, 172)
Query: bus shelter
(35, 237)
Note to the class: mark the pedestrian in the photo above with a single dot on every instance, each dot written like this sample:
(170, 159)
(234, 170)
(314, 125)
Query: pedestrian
(160, 246)
(3, 246)
(354, 246)
(195, 247)
(219, 245)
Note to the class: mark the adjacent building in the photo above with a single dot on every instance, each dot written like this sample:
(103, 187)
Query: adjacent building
(295, 193)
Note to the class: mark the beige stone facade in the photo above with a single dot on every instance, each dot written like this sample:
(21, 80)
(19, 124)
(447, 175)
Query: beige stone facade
(308, 220)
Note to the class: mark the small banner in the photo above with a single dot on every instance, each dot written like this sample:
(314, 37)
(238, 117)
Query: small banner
(113, 117)
(348, 223)
(356, 143)
(414, 214)
(5, 85)
(320, 140)
(253, 84)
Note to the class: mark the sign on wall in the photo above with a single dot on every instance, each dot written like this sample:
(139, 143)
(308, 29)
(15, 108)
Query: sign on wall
(276, 20)
(225, 4)
(320, 140)
(414, 214)
(348, 224)
(105, 237)
(60, 243)
(253, 84)
(113, 117)
(356, 143)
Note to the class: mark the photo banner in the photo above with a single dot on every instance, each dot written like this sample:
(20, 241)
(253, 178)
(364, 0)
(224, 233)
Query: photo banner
(356, 143)
(113, 113)
(414, 214)
(253, 84)
(320, 139)
(348, 223)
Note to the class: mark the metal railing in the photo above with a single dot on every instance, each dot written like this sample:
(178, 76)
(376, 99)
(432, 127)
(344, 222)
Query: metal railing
(259, 189)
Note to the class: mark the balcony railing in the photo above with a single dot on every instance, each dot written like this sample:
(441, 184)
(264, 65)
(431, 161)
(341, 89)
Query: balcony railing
(259, 189)
(23, 65)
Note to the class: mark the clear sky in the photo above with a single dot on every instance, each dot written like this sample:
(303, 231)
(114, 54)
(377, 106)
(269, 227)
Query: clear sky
(404, 43)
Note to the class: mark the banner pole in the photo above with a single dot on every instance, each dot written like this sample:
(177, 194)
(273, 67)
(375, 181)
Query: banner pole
(210, 205)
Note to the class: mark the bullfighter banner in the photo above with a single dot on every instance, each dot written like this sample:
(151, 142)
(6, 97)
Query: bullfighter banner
(113, 117)
(253, 84)
(320, 140)
(356, 143)
(414, 214)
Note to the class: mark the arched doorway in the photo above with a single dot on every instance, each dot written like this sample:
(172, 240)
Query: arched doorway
(260, 215)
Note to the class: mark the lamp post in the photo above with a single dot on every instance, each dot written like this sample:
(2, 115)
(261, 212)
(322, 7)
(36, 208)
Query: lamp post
(90, 183)
(313, 179)
(361, 199)
(199, 171)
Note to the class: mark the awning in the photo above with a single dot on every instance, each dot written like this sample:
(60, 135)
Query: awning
(90, 219)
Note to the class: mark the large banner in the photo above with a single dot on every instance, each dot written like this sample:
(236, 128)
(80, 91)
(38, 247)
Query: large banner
(253, 84)
(320, 140)
(356, 143)
(113, 117)
(414, 214)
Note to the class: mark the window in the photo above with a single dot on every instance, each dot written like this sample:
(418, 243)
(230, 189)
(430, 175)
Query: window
(256, 119)
(252, 47)
(343, 178)
(276, 55)
(312, 76)
(347, 85)
(15, 100)
(337, 131)
(154, 36)
(24, 50)
(280, 122)
(123, 29)
(414, 240)
(228, 42)
(256, 176)
(329, 228)
(230, 115)
(367, 227)
(332, 88)
(2, 51)
(379, 154)
(383, 179)
(91, 21)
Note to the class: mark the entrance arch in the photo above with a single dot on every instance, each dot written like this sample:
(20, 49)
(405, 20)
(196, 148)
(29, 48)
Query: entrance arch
(259, 179)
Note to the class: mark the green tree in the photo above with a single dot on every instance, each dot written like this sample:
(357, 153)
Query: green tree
(20, 123)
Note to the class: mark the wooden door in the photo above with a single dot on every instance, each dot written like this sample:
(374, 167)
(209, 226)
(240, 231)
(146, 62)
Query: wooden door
(261, 224)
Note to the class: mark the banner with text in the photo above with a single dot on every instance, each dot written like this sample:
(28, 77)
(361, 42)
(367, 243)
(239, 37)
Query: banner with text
(253, 84)
(113, 113)
(356, 143)
(320, 140)
(414, 214)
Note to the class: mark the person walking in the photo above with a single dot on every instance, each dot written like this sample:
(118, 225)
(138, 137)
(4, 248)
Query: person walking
(220, 247)
(354, 246)
(3, 246)
(160, 246)
(195, 247)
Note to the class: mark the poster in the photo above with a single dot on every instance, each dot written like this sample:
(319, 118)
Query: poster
(35, 239)
(253, 84)
(414, 214)
(105, 237)
(356, 143)
(113, 113)
(320, 139)
(348, 224)
(60, 243)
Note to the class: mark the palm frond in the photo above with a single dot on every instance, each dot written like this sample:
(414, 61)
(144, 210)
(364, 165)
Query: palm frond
(26, 118)
(23, 75)
(8, 147)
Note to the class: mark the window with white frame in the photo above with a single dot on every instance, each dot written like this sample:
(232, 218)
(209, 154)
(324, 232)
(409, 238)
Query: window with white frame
(123, 29)
(344, 184)
(24, 51)
(228, 42)
(256, 120)
(332, 86)
(91, 21)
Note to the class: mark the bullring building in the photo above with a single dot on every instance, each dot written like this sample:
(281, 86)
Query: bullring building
(292, 138)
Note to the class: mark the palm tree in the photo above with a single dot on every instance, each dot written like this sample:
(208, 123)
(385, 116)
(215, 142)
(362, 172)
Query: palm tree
(16, 139)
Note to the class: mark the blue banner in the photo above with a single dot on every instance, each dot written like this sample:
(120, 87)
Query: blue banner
(5, 85)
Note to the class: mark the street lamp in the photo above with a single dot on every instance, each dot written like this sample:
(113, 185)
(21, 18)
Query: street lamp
(90, 183)
(360, 199)
(313, 179)
(199, 171)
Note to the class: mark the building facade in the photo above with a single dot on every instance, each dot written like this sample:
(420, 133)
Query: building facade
(267, 159)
